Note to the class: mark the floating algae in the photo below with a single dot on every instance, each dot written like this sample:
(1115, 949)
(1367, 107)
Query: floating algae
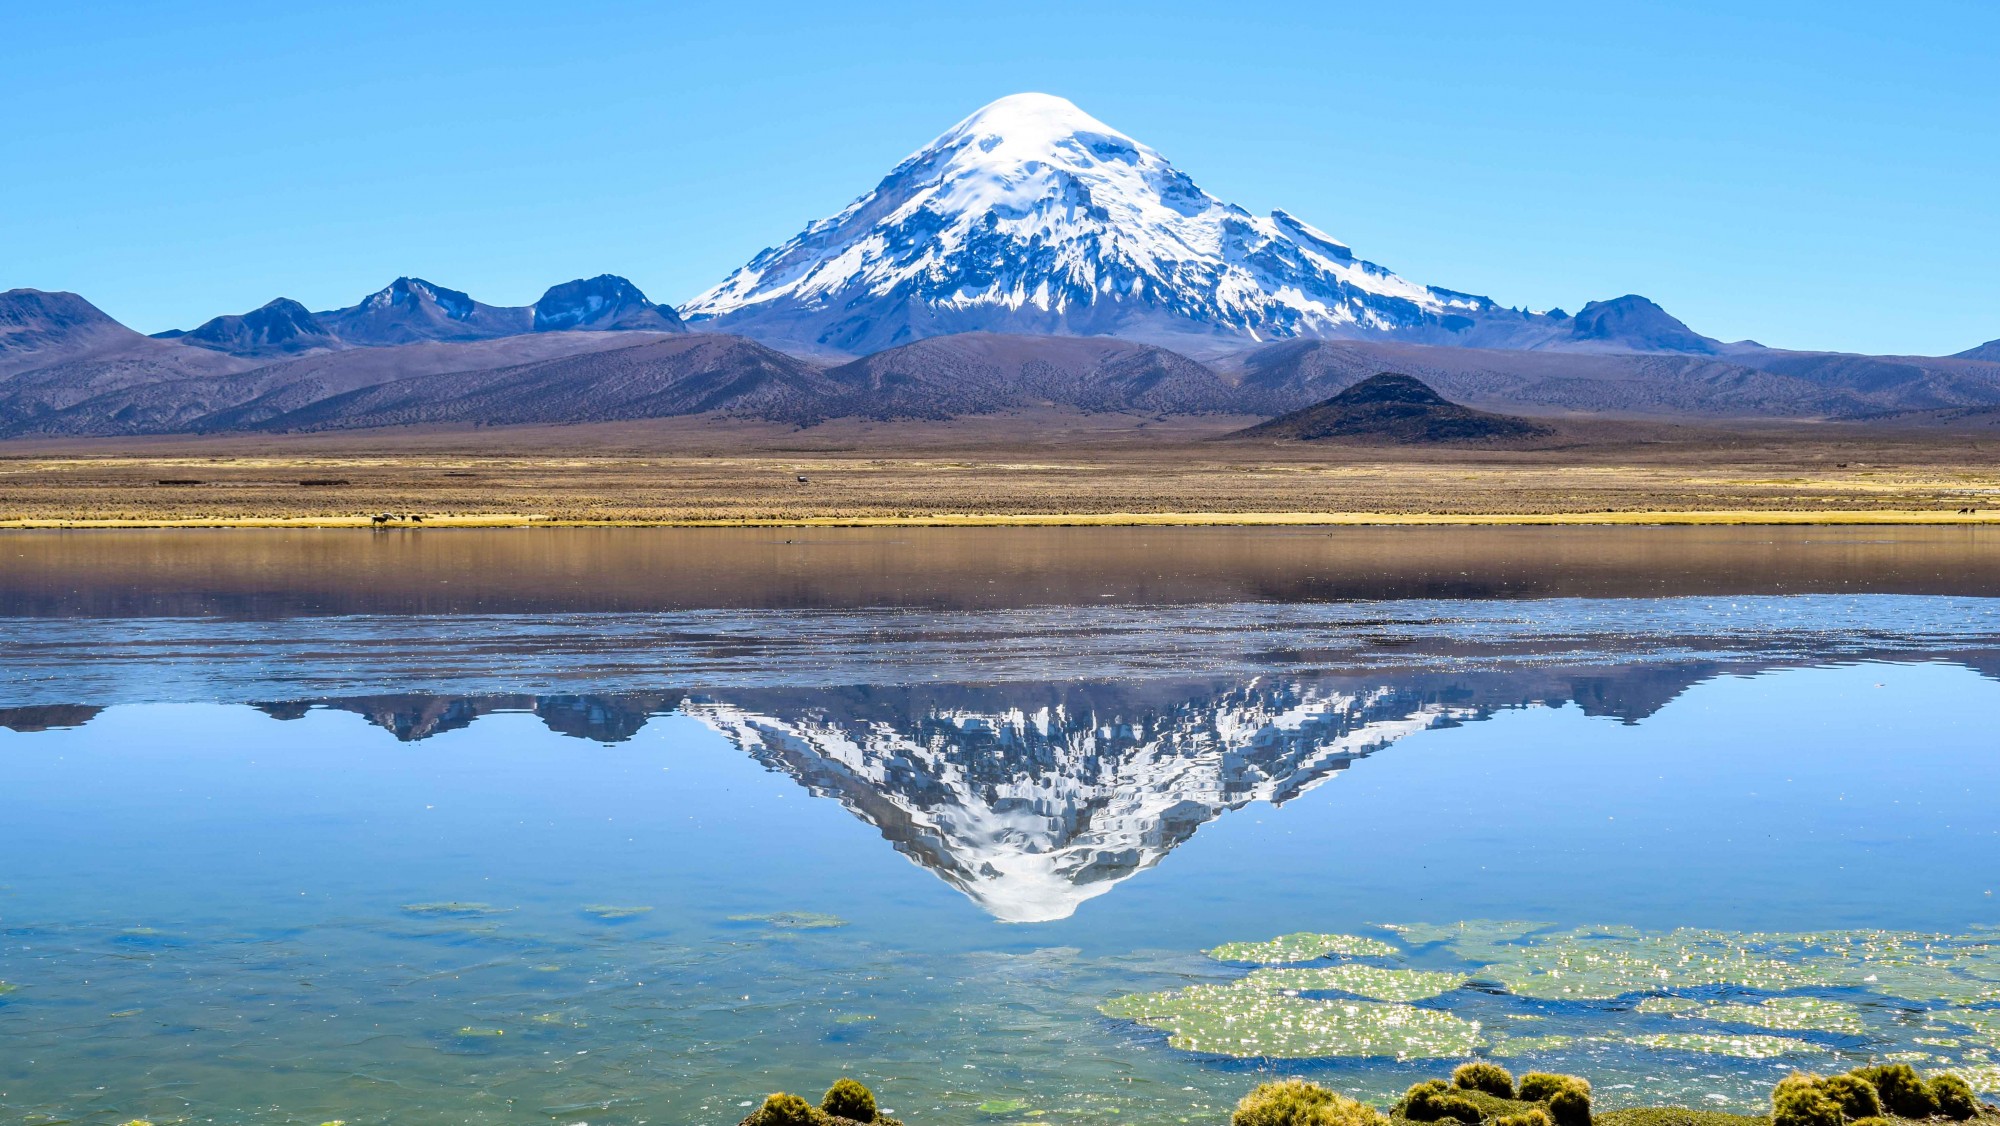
(1003, 1106)
(1372, 982)
(1749, 1047)
(471, 1033)
(613, 914)
(1530, 1045)
(453, 910)
(1274, 1012)
(1983, 1023)
(1248, 1022)
(1791, 1014)
(1787, 1014)
(793, 920)
(1984, 1078)
(1672, 1006)
(1302, 947)
(7, 987)
(1600, 963)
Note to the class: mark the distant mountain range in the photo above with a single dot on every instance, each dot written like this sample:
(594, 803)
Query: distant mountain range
(412, 310)
(1029, 257)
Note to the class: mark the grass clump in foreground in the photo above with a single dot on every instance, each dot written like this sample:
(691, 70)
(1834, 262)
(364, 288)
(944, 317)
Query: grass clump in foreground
(1885, 1095)
(1482, 1076)
(1295, 1102)
(846, 1103)
(1870, 1095)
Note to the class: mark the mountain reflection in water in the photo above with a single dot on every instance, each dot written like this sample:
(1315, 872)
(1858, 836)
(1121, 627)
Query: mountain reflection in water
(1032, 798)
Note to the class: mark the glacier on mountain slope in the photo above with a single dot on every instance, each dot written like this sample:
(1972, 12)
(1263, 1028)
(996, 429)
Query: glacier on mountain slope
(1033, 216)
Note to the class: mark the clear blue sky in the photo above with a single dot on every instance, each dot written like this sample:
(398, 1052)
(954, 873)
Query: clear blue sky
(1809, 174)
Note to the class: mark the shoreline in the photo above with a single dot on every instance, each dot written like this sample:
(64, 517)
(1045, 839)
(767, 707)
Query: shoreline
(1642, 518)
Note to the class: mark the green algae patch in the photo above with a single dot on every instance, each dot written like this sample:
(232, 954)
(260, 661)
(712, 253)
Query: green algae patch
(1785, 1014)
(611, 913)
(1372, 982)
(1003, 1106)
(1983, 1077)
(7, 987)
(1304, 946)
(1247, 1023)
(1744, 1047)
(1601, 963)
(1985, 1023)
(793, 920)
(1512, 1046)
(471, 1033)
(452, 910)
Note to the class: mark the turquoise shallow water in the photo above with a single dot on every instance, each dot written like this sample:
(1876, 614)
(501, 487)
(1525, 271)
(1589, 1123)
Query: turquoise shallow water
(645, 868)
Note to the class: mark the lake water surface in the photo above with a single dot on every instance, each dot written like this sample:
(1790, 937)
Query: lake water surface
(635, 827)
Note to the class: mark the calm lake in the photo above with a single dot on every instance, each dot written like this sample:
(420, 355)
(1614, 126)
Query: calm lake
(635, 826)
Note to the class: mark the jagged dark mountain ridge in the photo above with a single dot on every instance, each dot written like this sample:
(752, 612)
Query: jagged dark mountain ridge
(412, 310)
(1987, 351)
(1394, 408)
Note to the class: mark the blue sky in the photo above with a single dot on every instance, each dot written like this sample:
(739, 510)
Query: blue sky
(1806, 174)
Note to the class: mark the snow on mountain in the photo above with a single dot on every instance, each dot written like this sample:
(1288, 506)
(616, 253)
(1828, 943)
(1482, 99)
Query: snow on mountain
(1032, 811)
(1033, 216)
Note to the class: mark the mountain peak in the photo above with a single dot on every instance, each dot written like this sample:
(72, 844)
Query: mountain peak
(1027, 127)
(1639, 324)
(276, 328)
(1031, 216)
(606, 301)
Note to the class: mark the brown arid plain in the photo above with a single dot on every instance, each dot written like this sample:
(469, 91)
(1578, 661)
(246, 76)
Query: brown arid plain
(1059, 468)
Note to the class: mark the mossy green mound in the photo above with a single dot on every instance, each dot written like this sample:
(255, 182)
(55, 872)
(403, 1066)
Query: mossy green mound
(1480, 1075)
(782, 1109)
(1434, 1100)
(1302, 947)
(1295, 1102)
(849, 1099)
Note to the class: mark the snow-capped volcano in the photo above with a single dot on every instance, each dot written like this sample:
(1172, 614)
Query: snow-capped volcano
(1033, 216)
